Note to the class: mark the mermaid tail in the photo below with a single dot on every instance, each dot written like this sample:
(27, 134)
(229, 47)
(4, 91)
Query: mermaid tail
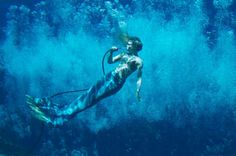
(42, 109)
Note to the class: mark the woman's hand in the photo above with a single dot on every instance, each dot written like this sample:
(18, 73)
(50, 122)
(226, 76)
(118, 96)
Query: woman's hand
(113, 49)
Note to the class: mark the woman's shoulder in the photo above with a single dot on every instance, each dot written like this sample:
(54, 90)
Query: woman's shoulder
(139, 61)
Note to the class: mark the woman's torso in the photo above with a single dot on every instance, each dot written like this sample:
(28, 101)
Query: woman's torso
(128, 64)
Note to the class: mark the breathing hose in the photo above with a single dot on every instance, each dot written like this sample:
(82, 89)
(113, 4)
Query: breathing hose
(104, 56)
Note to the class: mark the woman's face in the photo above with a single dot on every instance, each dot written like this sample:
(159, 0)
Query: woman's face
(130, 46)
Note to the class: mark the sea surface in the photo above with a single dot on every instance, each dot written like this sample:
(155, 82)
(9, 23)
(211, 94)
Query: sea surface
(188, 93)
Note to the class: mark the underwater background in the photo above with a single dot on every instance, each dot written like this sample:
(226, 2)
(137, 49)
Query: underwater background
(188, 105)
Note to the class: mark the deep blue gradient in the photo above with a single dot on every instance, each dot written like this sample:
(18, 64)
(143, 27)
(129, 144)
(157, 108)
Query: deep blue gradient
(188, 105)
(4, 6)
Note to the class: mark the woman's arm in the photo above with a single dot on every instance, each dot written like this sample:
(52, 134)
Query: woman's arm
(139, 81)
(112, 59)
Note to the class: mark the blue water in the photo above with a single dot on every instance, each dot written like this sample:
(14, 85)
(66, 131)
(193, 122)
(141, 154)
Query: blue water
(188, 105)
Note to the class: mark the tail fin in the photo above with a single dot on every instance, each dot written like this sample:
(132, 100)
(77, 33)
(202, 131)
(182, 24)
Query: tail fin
(36, 111)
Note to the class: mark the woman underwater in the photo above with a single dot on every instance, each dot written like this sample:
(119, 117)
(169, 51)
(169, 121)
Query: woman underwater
(110, 84)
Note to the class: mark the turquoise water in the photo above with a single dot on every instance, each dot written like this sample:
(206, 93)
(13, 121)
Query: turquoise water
(188, 95)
